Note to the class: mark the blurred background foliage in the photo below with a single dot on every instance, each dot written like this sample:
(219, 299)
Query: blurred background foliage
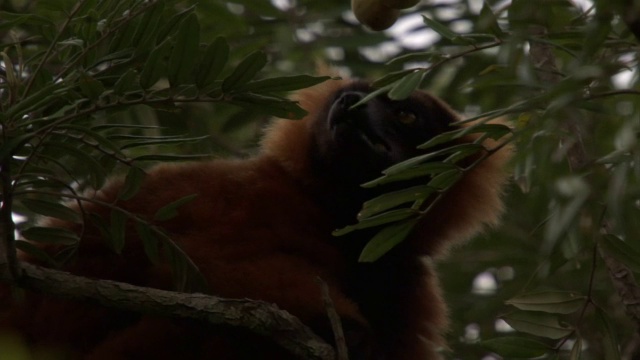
(564, 72)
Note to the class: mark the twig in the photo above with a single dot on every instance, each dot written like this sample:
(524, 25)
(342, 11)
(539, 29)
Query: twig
(334, 319)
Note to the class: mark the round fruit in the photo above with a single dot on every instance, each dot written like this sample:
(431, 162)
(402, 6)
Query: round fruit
(374, 13)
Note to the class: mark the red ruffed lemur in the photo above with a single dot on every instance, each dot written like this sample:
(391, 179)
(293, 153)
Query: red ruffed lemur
(261, 228)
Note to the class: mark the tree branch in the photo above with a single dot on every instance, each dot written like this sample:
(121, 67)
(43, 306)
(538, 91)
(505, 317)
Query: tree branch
(258, 316)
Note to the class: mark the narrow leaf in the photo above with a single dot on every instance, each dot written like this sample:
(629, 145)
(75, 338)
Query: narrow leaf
(48, 235)
(156, 65)
(90, 87)
(621, 251)
(441, 29)
(385, 240)
(445, 180)
(185, 51)
(245, 71)
(144, 36)
(129, 81)
(170, 26)
(539, 324)
(608, 335)
(407, 164)
(516, 347)
(487, 21)
(282, 108)
(171, 210)
(52, 209)
(117, 230)
(403, 88)
(35, 251)
(384, 218)
(213, 62)
(441, 139)
(132, 183)
(149, 242)
(560, 302)
(170, 157)
(422, 170)
(393, 199)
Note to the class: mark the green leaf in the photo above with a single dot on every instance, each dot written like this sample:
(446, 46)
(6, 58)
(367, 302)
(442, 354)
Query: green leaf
(52, 209)
(132, 183)
(487, 21)
(49, 235)
(407, 164)
(129, 81)
(171, 210)
(155, 67)
(493, 131)
(392, 78)
(169, 27)
(95, 139)
(539, 324)
(621, 251)
(577, 190)
(441, 29)
(384, 218)
(607, 335)
(278, 107)
(170, 157)
(13, 145)
(11, 20)
(144, 36)
(284, 83)
(516, 347)
(422, 170)
(164, 140)
(385, 240)
(560, 302)
(149, 242)
(441, 139)
(407, 85)
(97, 173)
(185, 52)
(393, 199)
(36, 252)
(117, 230)
(213, 62)
(36, 101)
(245, 71)
(445, 180)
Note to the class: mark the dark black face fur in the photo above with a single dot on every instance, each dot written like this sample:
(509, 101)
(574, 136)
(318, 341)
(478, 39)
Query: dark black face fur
(355, 145)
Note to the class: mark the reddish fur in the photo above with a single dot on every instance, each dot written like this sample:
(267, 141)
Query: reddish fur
(254, 232)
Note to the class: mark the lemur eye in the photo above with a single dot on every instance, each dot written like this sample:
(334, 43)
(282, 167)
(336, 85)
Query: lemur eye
(406, 117)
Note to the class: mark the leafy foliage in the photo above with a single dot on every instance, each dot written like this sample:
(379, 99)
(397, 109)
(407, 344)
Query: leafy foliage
(93, 88)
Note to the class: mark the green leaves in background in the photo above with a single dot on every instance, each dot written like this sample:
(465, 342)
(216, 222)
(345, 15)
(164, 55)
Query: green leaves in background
(516, 347)
(560, 302)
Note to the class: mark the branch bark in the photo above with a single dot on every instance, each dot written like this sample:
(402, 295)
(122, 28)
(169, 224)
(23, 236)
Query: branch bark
(258, 316)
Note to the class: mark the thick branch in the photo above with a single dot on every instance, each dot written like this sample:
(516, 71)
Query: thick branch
(260, 317)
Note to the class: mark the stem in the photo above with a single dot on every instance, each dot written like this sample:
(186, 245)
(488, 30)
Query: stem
(51, 48)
